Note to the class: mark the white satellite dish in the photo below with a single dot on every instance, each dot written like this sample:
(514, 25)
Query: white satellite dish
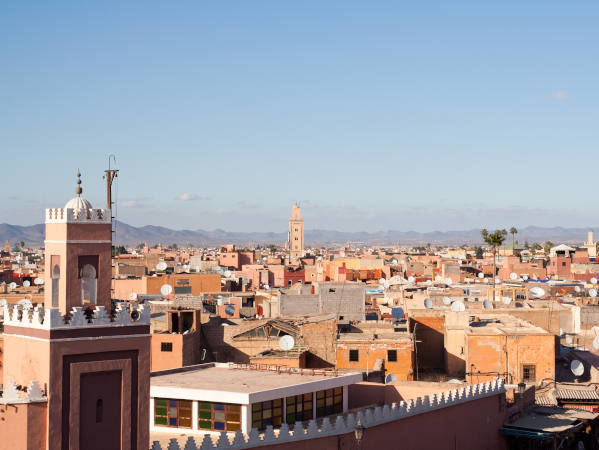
(132, 296)
(12, 285)
(595, 329)
(166, 289)
(186, 268)
(458, 306)
(438, 278)
(525, 277)
(381, 281)
(507, 300)
(227, 274)
(576, 367)
(593, 292)
(26, 283)
(446, 301)
(161, 266)
(3, 302)
(593, 280)
(596, 342)
(537, 292)
(577, 288)
(286, 342)
(428, 304)
(486, 280)
(569, 340)
(488, 304)
(411, 279)
(481, 275)
(513, 276)
(390, 378)
(38, 281)
(429, 282)
(448, 281)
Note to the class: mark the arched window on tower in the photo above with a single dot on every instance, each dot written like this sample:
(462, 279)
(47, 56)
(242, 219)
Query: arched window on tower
(55, 285)
(88, 284)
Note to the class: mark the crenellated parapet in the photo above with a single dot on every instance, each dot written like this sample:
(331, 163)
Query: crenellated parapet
(13, 395)
(70, 215)
(41, 318)
(338, 425)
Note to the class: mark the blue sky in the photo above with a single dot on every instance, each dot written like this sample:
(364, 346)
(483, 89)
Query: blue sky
(373, 115)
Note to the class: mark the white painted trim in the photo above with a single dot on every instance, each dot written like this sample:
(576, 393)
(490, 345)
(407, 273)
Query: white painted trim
(246, 418)
(94, 338)
(194, 415)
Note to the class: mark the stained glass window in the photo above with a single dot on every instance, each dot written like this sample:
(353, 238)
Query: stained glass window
(172, 413)
(267, 413)
(219, 416)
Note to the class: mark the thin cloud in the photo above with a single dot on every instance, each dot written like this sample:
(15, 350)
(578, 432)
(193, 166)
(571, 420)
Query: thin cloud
(560, 95)
(139, 203)
(186, 197)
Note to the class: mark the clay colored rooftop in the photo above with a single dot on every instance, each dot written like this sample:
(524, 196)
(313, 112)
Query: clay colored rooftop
(227, 378)
(502, 324)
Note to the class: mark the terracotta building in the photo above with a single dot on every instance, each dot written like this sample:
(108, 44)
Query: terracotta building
(86, 368)
(179, 345)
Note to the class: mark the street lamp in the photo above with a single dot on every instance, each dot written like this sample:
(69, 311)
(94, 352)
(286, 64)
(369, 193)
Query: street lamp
(359, 431)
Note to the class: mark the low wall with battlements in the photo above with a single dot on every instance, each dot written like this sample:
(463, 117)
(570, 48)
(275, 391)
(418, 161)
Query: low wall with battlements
(468, 419)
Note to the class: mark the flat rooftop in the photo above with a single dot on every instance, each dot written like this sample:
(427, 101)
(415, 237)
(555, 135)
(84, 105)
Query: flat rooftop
(502, 324)
(242, 384)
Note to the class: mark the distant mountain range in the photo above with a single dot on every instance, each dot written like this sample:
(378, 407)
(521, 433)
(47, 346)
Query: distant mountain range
(129, 235)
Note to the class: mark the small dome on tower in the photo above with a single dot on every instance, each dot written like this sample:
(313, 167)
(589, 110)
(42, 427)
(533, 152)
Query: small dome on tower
(78, 202)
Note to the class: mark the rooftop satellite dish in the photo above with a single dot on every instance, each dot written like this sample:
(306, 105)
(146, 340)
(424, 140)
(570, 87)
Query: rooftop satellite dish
(26, 283)
(428, 304)
(593, 292)
(537, 292)
(186, 267)
(595, 329)
(286, 342)
(458, 306)
(525, 277)
(576, 367)
(230, 310)
(448, 281)
(593, 280)
(381, 281)
(411, 279)
(577, 288)
(438, 278)
(506, 300)
(513, 276)
(132, 296)
(390, 378)
(166, 289)
(488, 304)
(596, 342)
(3, 302)
(454, 381)
(161, 266)
(429, 282)
(481, 275)
(12, 285)
(446, 301)
(38, 281)
(227, 274)
(397, 313)
(486, 280)
(569, 340)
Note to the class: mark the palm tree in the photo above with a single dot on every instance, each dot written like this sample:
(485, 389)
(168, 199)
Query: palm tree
(494, 240)
(513, 232)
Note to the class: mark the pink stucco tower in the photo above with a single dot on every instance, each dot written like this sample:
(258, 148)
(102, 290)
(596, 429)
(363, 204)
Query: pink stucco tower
(296, 234)
(92, 364)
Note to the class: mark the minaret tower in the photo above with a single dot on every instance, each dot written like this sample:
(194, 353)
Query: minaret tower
(89, 364)
(296, 234)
